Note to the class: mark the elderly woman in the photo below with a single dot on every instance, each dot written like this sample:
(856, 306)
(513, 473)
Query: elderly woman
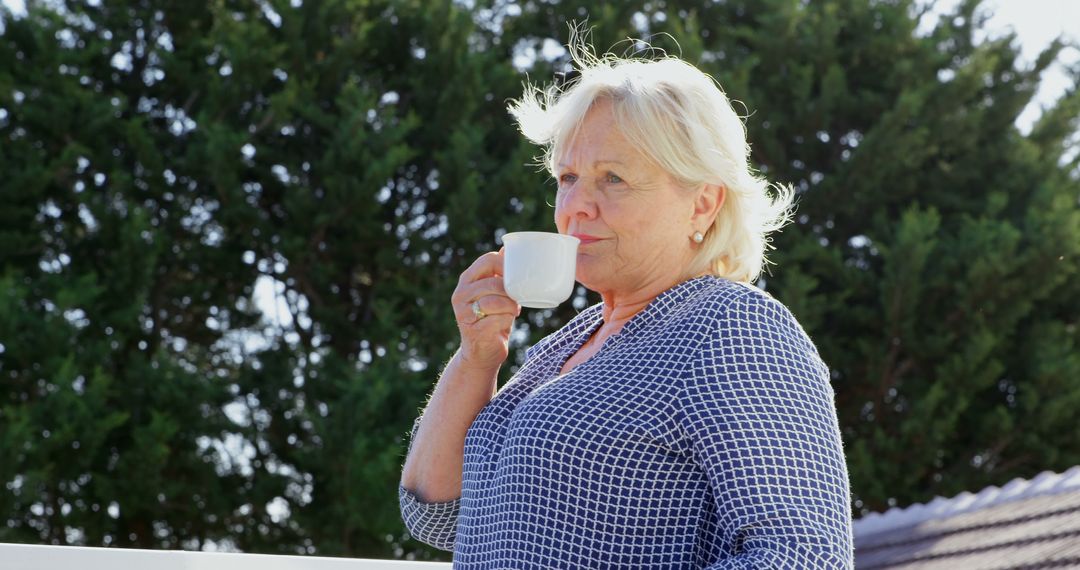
(687, 420)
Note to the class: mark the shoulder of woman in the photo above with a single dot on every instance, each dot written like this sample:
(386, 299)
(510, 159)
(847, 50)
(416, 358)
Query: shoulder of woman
(726, 304)
(728, 299)
(743, 314)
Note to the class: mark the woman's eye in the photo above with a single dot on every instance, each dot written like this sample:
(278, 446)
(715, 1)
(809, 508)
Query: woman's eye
(613, 179)
(567, 179)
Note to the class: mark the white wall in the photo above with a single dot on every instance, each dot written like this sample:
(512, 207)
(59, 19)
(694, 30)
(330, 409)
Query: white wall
(34, 557)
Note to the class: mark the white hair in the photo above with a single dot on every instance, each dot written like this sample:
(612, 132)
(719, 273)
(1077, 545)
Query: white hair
(681, 119)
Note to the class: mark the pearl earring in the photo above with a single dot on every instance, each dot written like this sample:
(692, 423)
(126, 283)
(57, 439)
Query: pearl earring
(698, 237)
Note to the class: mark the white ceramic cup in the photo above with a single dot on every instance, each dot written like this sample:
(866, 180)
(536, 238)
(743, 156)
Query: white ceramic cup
(539, 268)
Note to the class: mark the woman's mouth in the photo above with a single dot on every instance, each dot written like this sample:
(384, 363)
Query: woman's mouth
(586, 239)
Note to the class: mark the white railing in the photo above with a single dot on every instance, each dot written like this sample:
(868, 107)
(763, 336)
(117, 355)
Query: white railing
(34, 557)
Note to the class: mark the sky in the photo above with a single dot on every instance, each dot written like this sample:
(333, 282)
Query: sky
(1036, 23)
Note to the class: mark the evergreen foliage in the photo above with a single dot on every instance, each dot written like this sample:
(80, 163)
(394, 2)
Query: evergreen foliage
(162, 161)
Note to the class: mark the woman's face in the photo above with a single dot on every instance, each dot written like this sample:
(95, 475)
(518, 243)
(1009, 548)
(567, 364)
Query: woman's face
(634, 222)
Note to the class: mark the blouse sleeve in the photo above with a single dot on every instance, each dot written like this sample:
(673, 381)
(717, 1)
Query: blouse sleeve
(758, 409)
(431, 523)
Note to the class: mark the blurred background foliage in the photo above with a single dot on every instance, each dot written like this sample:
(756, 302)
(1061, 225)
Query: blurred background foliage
(229, 232)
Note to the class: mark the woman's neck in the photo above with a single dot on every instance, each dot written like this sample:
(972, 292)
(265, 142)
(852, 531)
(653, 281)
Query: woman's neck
(617, 312)
(620, 307)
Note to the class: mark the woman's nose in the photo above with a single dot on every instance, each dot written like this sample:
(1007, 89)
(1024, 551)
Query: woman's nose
(578, 199)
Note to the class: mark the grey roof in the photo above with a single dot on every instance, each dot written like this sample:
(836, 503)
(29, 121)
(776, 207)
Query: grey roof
(1024, 524)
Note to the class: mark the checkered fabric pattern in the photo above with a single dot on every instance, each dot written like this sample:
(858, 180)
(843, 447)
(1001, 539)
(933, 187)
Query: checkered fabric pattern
(703, 435)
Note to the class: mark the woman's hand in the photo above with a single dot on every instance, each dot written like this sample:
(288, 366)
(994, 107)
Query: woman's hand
(485, 341)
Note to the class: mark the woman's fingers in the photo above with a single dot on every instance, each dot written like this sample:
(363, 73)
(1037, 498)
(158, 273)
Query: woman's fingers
(484, 307)
(488, 296)
(484, 313)
(486, 265)
(468, 292)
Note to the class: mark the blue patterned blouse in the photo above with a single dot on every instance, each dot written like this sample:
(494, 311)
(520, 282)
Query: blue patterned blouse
(703, 434)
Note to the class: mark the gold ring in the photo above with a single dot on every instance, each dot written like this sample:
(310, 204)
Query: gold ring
(477, 311)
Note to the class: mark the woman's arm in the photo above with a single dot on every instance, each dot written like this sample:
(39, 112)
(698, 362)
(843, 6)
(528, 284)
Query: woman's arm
(759, 410)
(433, 468)
(430, 486)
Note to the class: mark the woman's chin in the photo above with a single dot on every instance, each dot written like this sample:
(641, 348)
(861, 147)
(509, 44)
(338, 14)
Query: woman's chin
(590, 280)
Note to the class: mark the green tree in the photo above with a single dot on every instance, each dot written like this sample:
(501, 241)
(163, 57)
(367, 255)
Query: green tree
(163, 159)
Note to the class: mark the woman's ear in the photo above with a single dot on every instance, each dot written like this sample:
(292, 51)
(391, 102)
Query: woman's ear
(707, 206)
